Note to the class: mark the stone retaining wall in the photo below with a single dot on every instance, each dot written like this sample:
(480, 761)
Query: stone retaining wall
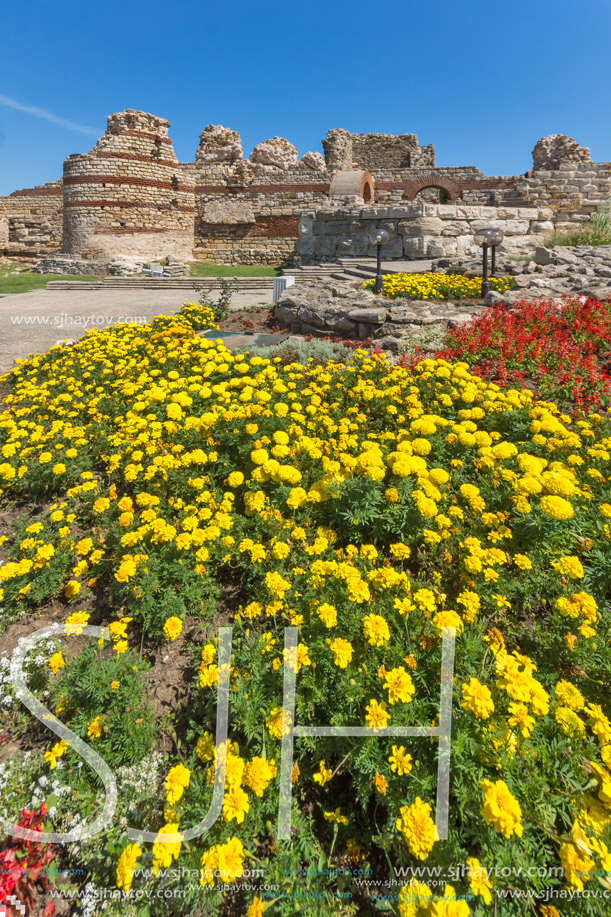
(418, 230)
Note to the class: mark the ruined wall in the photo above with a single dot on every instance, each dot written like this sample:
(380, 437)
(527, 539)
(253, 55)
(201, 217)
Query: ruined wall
(128, 197)
(419, 230)
(30, 221)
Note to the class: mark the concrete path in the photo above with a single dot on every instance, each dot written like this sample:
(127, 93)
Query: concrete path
(35, 321)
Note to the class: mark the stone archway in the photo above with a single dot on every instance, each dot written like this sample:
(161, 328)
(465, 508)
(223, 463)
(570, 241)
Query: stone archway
(432, 180)
(350, 184)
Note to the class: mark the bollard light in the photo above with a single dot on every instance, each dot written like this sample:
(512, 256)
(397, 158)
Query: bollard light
(485, 238)
(379, 237)
(498, 238)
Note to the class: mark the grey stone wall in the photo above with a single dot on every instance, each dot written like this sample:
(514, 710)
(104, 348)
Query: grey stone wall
(418, 230)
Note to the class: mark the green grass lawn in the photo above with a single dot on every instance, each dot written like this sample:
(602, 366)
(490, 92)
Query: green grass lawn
(204, 269)
(27, 280)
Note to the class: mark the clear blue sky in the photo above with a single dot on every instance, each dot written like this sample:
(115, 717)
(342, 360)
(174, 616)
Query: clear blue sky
(482, 80)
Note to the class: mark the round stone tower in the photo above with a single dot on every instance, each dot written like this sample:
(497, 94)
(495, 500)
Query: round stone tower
(129, 197)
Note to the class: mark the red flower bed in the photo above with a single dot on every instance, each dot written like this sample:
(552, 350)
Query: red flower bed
(24, 864)
(563, 352)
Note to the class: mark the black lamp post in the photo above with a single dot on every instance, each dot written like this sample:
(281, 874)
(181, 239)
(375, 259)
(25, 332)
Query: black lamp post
(498, 238)
(379, 237)
(485, 238)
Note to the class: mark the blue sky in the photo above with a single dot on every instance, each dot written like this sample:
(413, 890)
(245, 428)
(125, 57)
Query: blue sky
(481, 80)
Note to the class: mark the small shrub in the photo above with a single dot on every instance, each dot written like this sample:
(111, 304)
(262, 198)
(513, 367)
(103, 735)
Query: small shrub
(596, 232)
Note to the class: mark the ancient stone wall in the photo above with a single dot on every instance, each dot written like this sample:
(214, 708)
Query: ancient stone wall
(129, 197)
(418, 230)
(30, 221)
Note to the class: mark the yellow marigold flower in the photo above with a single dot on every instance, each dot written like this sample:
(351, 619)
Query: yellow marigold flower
(417, 827)
(127, 865)
(235, 479)
(400, 685)
(336, 817)
(235, 804)
(578, 867)
(323, 775)
(164, 852)
(72, 588)
(569, 722)
(274, 723)
(172, 628)
(520, 718)
(478, 699)
(75, 623)
(176, 781)
(342, 652)
(377, 716)
(400, 761)
(569, 566)
(569, 696)
(501, 809)
(94, 729)
(447, 619)
(56, 662)
(56, 752)
(327, 614)
(557, 507)
(381, 784)
(478, 879)
(255, 909)
(376, 630)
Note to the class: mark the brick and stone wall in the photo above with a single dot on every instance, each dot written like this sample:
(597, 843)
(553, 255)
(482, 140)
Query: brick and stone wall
(31, 221)
(129, 197)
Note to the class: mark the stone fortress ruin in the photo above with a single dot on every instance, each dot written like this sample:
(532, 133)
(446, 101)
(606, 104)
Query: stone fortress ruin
(129, 200)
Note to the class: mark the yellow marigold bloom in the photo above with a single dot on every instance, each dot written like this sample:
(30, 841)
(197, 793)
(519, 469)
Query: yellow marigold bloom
(376, 630)
(56, 662)
(336, 817)
(568, 695)
(258, 773)
(172, 628)
(323, 775)
(417, 827)
(478, 699)
(75, 623)
(522, 561)
(176, 781)
(235, 804)
(400, 761)
(342, 652)
(478, 880)
(114, 685)
(569, 566)
(327, 614)
(72, 588)
(557, 507)
(235, 479)
(577, 866)
(520, 718)
(569, 722)
(400, 686)
(127, 865)
(274, 723)
(255, 909)
(56, 752)
(381, 784)
(501, 809)
(447, 619)
(94, 729)
(377, 716)
(163, 852)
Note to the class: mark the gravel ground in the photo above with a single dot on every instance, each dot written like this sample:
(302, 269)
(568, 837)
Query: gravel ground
(35, 321)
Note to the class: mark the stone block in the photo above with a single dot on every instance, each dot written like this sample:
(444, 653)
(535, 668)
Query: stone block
(371, 316)
(542, 226)
(527, 213)
(455, 228)
(421, 226)
(447, 211)
(544, 255)
(413, 247)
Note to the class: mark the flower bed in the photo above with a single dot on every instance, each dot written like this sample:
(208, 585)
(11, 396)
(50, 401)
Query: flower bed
(369, 506)
(565, 352)
(437, 286)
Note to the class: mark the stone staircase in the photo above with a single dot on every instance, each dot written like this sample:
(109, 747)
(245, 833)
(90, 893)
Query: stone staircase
(346, 269)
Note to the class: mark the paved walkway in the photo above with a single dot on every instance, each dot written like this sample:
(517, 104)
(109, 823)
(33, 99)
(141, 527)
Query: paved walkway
(37, 320)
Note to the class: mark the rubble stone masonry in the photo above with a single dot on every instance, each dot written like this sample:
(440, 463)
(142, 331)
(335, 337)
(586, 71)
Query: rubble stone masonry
(129, 197)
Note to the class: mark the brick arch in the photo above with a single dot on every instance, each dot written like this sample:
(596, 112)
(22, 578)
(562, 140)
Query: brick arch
(433, 180)
(352, 184)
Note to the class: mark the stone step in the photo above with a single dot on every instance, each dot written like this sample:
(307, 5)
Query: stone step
(184, 283)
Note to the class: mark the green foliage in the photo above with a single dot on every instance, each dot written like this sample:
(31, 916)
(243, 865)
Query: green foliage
(596, 232)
